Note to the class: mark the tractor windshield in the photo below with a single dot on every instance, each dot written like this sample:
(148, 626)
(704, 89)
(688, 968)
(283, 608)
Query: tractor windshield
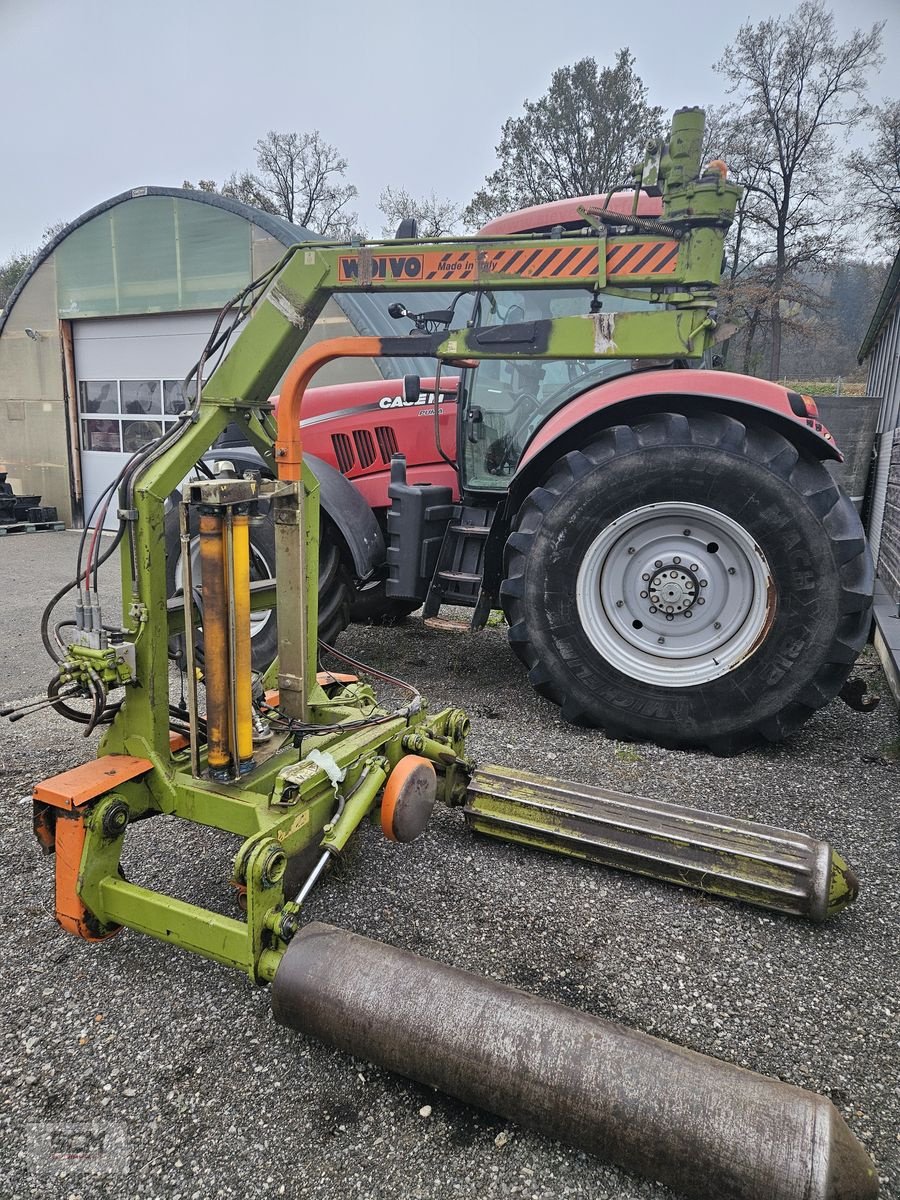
(507, 399)
(368, 311)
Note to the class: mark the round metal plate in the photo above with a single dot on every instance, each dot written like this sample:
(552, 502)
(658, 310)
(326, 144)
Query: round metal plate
(675, 594)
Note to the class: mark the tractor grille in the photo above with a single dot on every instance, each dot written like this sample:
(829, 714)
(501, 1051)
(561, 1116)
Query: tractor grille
(387, 442)
(360, 448)
(365, 447)
(343, 451)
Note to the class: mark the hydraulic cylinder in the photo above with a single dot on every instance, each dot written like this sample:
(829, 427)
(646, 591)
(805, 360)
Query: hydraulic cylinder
(243, 678)
(215, 640)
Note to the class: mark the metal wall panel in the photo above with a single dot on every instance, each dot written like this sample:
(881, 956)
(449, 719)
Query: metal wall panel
(884, 450)
(265, 251)
(884, 373)
(34, 451)
(851, 421)
(33, 442)
(888, 560)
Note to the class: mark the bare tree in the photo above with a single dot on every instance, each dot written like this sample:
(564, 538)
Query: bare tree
(300, 177)
(580, 138)
(240, 185)
(244, 186)
(877, 176)
(435, 217)
(795, 86)
(303, 177)
(746, 279)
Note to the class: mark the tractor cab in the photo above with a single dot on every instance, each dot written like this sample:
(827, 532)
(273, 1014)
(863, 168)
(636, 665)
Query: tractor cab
(503, 402)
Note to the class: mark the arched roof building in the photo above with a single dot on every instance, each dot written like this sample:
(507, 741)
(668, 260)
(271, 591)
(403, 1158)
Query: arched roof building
(107, 321)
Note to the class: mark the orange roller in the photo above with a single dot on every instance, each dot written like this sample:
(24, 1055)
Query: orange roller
(408, 800)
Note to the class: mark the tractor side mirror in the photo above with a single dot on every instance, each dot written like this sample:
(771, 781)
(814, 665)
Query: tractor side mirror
(412, 389)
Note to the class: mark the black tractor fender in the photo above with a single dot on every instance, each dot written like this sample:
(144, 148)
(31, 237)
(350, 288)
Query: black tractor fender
(339, 499)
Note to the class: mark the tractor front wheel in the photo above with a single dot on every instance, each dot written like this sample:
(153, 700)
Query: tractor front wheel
(690, 580)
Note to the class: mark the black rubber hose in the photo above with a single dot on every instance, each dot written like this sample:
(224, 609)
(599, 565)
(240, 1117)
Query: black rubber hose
(74, 714)
(45, 617)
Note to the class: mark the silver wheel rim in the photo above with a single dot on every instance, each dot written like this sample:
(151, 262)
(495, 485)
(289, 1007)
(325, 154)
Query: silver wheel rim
(259, 569)
(675, 594)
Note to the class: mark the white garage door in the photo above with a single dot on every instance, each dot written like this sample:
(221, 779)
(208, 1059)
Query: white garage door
(129, 372)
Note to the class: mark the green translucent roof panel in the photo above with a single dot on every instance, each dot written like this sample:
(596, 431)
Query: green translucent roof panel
(152, 254)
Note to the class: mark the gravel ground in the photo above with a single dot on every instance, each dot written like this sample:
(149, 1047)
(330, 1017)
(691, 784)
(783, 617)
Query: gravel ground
(200, 1095)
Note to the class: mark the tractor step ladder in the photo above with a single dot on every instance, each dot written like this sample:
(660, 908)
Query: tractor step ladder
(458, 572)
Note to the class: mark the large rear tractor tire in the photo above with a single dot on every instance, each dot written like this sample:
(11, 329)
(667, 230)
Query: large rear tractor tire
(689, 580)
(335, 582)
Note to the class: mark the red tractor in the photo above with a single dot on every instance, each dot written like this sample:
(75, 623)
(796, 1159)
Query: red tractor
(673, 558)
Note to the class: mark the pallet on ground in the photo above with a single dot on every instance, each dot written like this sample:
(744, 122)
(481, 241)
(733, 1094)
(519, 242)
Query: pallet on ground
(32, 527)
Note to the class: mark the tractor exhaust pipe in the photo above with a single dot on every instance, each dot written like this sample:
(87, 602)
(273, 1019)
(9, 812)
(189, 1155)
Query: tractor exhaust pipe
(706, 1128)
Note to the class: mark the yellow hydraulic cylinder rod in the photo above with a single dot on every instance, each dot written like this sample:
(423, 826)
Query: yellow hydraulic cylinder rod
(215, 640)
(242, 682)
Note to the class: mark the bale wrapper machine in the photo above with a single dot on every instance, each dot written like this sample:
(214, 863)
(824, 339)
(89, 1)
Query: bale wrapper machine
(292, 763)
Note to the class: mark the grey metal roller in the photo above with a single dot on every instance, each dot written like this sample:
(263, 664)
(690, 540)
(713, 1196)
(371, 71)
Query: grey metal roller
(706, 1128)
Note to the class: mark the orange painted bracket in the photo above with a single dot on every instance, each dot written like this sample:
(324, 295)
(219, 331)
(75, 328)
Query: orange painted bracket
(288, 446)
(69, 793)
(70, 910)
(77, 787)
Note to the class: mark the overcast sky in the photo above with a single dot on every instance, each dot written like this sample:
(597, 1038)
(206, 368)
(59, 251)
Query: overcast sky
(99, 96)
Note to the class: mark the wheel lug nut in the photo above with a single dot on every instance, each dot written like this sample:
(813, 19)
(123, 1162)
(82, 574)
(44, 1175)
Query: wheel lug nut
(658, 562)
(701, 601)
(688, 613)
(704, 582)
(676, 560)
(646, 577)
(670, 617)
(653, 608)
(643, 595)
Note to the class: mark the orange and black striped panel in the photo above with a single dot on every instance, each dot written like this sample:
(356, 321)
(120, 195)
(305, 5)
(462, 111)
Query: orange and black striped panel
(642, 258)
(578, 262)
(558, 262)
(454, 266)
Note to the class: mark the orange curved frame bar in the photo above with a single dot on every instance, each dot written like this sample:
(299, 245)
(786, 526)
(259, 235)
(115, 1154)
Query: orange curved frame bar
(288, 445)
